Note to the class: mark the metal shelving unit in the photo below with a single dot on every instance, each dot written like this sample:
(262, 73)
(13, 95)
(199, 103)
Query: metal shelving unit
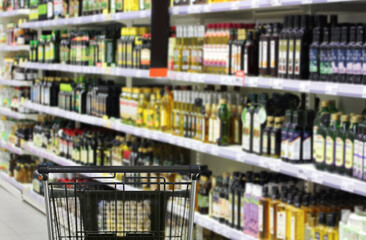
(303, 171)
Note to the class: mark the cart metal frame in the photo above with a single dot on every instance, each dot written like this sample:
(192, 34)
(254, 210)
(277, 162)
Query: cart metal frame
(88, 192)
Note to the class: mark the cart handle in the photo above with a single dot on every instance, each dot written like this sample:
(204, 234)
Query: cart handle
(193, 169)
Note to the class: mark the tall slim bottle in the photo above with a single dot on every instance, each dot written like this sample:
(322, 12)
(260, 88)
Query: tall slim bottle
(340, 144)
(292, 47)
(320, 142)
(349, 146)
(303, 39)
(342, 55)
(357, 55)
(330, 141)
(224, 116)
(350, 54)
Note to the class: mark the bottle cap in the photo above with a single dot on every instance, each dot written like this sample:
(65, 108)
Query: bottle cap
(345, 118)
(335, 116)
(332, 220)
(325, 104)
(321, 218)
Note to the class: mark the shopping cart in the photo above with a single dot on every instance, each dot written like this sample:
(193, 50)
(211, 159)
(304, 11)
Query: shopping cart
(145, 205)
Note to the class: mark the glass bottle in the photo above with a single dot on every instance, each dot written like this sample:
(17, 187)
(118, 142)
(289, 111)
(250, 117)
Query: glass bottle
(281, 218)
(330, 140)
(285, 135)
(295, 137)
(292, 47)
(141, 111)
(166, 111)
(266, 142)
(275, 141)
(331, 231)
(150, 112)
(350, 54)
(350, 137)
(317, 121)
(320, 142)
(310, 228)
(307, 137)
(251, 55)
(320, 227)
(259, 122)
(314, 53)
(264, 215)
(357, 55)
(247, 119)
(302, 44)
(342, 55)
(224, 116)
(340, 143)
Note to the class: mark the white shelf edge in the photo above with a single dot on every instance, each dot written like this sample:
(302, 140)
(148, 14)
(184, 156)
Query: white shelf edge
(303, 171)
(43, 153)
(98, 18)
(34, 199)
(11, 185)
(122, 72)
(306, 86)
(16, 83)
(15, 13)
(11, 48)
(7, 112)
(11, 148)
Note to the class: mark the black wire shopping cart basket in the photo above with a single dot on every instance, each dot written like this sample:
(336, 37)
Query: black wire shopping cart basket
(146, 204)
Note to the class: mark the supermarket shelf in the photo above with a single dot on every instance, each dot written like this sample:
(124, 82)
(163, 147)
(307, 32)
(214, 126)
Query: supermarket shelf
(11, 185)
(16, 83)
(303, 171)
(14, 13)
(13, 48)
(7, 112)
(99, 18)
(328, 88)
(43, 153)
(34, 199)
(122, 72)
(11, 148)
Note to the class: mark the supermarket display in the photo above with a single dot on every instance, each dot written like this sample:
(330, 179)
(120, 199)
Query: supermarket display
(12, 35)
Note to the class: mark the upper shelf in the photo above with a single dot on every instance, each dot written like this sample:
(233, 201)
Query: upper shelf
(9, 113)
(16, 83)
(15, 13)
(13, 48)
(303, 171)
(177, 10)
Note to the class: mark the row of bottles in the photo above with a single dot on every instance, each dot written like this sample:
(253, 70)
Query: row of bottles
(272, 206)
(192, 2)
(56, 9)
(122, 47)
(339, 142)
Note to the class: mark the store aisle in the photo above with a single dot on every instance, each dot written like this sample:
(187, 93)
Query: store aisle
(19, 221)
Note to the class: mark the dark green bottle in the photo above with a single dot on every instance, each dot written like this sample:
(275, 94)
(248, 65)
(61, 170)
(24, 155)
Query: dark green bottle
(330, 142)
(324, 109)
(349, 146)
(224, 116)
(340, 143)
(319, 144)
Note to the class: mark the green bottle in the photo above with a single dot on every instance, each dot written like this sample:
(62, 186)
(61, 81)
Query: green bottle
(224, 116)
(349, 145)
(40, 49)
(332, 107)
(330, 142)
(340, 144)
(323, 110)
(319, 144)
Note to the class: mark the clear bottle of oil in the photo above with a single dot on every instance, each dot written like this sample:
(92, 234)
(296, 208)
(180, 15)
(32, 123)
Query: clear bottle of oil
(331, 231)
(194, 48)
(166, 111)
(198, 118)
(176, 113)
(186, 49)
(281, 218)
(275, 200)
(157, 92)
(150, 112)
(141, 111)
(263, 215)
(177, 65)
(206, 119)
(211, 134)
(297, 220)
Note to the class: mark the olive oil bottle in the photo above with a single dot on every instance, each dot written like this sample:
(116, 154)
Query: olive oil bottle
(330, 140)
(320, 228)
(247, 119)
(340, 143)
(266, 142)
(224, 116)
(349, 146)
(166, 111)
(320, 142)
(275, 142)
(324, 109)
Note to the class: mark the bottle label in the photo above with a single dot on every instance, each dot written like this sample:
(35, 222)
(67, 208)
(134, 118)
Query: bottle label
(329, 151)
(265, 143)
(217, 128)
(323, 65)
(273, 144)
(329, 62)
(291, 63)
(256, 133)
(281, 57)
(315, 129)
(202, 201)
(281, 225)
(246, 61)
(357, 61)
(271, 220)
(326, 237)
(246, 132)
(317, 236)
(260, 218)
(349, 57)
(284, 144)
(342, 61)
(313, 66)
(306, 146)
(349, 154)
(298, 57)
(236, 131)
(364, 61)
(320, 147)
(334, 60)
(294, 145)
(357, 155)
(293, 229)
(339, 152)
(265, 56)
(260, 61)
(49, 9)
(273, 54)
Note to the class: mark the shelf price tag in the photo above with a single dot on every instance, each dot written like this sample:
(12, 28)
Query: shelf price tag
(331, 89)
(202, 148)
(348, 185)
(274, 165)
(304, 87)
(252, 82)
(214, 150)
(302, 174)
(277, 84)
(364, 92)
(194, 9)
(234, 6)
(263, 163)
(315, 177)
(255, 4)
(207, 8)
(239, 78)
(143, 14)
(175, 10)
(276, 2)
(306, 1)
(241, 157)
